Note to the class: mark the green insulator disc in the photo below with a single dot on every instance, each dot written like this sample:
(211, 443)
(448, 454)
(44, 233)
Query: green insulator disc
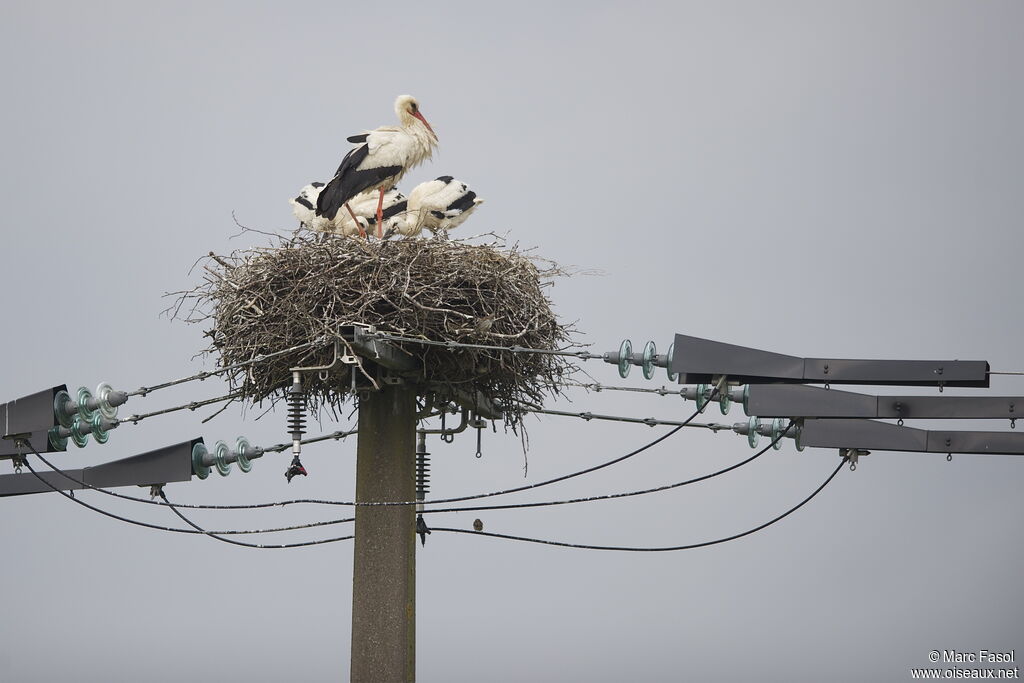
(702, 396)
(649, 352)
(79, 432)
(672, 376)
(103, 396)
(752, 436)
(83, 408)
(778, 427)
(625, 353)
(724, 401)
(799, 434)
(243, 448)
(98, 432)
(220, 453)
(746, 399)
(198, 468)
(60, 411)
(58, 442)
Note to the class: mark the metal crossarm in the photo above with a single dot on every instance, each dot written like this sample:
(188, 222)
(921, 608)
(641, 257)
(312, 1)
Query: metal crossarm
(788, 400)
(701, 360)
(882, 436)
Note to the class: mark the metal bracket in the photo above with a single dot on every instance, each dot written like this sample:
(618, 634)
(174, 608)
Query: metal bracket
(853, 455)
(338, 358)
(381, 352)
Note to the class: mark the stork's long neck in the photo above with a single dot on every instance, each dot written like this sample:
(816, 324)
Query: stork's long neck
(424, 142)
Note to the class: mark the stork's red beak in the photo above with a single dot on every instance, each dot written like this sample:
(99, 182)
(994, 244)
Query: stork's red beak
(420, 117)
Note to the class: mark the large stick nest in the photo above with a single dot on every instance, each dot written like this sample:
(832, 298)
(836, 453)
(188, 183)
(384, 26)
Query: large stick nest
(310, 289)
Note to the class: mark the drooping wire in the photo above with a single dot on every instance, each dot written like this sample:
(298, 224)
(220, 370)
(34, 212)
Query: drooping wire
(690, 546)
(147, 525)
(517, 489)
(611, 496)
(457, 499)
(262, 546)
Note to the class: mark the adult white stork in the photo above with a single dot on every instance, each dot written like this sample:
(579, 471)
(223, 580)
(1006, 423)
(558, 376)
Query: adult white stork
(441, 204)
(364, 207)
(379, 160)
(304, 208)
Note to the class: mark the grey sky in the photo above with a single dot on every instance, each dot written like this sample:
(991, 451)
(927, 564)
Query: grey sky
(814, 178)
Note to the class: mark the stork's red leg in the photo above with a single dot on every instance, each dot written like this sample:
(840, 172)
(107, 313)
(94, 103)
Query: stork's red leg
(380, 215)
(362, 233)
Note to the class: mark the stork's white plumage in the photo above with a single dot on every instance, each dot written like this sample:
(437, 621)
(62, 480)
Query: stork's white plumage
(304, 208)
(364, 206)
(379, 161)
(441, 205)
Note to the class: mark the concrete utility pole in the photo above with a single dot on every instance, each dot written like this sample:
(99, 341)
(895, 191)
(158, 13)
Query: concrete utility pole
(384, 566)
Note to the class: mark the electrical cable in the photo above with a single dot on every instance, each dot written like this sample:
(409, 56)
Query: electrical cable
(143, 391)
(583, 355)
(649, 421)
(634, 549)
(147, 525)
(192, 405)
(457, 499)
(597, 387)
(343, 434)
(610, 496)
(261, 546)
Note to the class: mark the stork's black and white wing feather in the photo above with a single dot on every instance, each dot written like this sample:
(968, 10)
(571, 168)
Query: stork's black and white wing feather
(441, 204)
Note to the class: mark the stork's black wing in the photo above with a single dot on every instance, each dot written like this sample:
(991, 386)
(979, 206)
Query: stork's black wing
(395, 209)
(350, 181)
(463, 203)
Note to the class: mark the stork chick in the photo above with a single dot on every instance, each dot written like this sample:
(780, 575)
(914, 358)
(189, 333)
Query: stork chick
(379, 161)
(363, 207)
(304, 208)
(441, 205)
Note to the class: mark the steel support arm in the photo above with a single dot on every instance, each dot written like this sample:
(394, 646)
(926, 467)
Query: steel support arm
(699, 361)
(162, 466)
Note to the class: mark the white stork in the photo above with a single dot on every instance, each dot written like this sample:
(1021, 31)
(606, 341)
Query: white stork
(379, 160)
(441, 204)
(304, 208)
(364, 207)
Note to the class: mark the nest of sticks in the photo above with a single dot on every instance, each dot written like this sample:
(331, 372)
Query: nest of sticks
(309, 291)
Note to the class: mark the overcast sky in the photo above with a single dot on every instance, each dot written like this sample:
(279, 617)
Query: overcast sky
(837, 179)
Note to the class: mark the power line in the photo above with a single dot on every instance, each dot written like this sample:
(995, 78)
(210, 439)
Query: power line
(598, 387)
(261, 546)
(458, 499)
(634, 549)
(583, 355)
(343, 434)
(649, 421)
(192, 405)
(142, 391)
(610, 496)
(147, 525)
